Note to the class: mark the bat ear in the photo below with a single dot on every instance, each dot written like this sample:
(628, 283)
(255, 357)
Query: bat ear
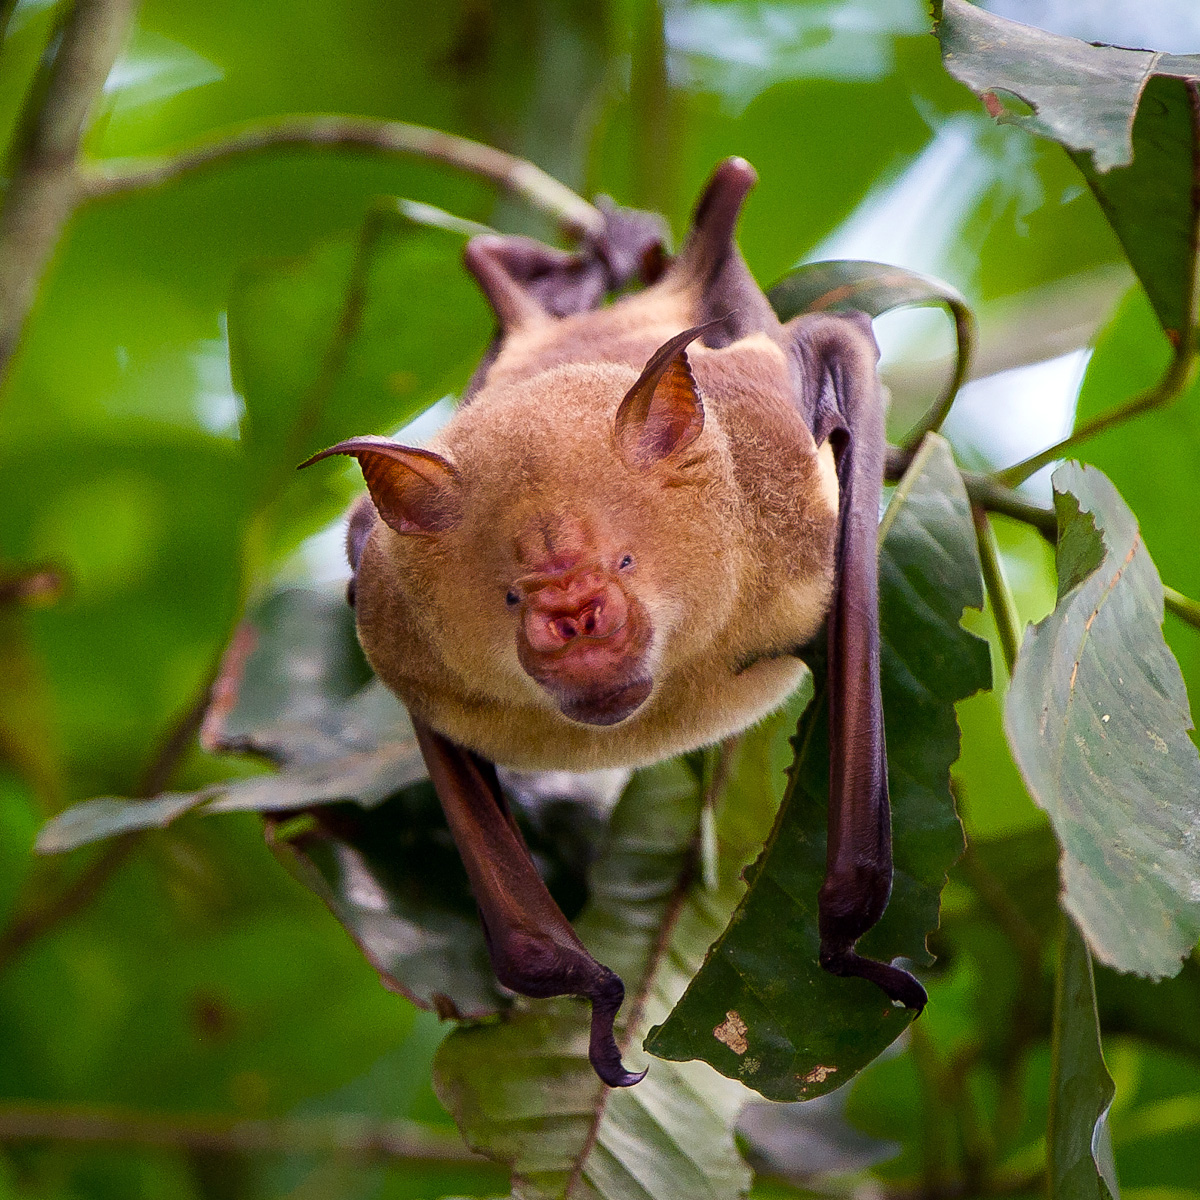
(662, 413)
(415, 491)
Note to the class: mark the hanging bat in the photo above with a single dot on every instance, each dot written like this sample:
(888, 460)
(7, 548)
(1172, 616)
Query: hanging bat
(614, 552)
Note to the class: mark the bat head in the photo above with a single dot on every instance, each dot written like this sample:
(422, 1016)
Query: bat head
(551, 544)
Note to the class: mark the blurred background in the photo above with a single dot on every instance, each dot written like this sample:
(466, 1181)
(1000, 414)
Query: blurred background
(187, 973)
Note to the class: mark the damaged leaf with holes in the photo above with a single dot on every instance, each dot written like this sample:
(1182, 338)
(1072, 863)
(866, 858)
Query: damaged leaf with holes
(1097, 718)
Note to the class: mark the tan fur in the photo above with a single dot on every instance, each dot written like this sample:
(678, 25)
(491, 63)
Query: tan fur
(733, 545)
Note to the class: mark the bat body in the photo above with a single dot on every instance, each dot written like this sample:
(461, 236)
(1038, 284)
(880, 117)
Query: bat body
(701, 571)
(615, 550)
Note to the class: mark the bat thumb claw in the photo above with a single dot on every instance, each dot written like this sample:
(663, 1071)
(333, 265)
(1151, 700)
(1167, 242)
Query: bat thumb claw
(603, 1052)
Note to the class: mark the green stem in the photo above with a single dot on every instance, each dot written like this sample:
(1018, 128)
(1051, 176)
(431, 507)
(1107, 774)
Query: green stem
(44, 188)
(1177, 377)
(984, 492)
(1184, 607)
(575, 215)
(1004, 610)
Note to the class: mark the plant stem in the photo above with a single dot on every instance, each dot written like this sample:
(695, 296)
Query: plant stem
(1184, 607)
(1004, 610)
(984, 492)
(343, 1135)
(575, 215)
(44, 188)
(1177, 377)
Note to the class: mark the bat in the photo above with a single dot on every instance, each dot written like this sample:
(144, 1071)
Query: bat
(615, 551)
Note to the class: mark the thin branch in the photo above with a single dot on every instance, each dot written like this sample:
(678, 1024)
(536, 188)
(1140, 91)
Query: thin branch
(1177, 377)
(360, 1137)
(1004, 610)
(1184, 607)
(41, 918)
(985, 493)
(74, 898)
(44, 188)
(118, 177)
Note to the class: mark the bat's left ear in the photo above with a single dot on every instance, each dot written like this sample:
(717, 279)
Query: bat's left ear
(662, 414)
(415, 491)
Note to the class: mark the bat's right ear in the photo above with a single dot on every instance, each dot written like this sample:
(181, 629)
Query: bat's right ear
(415, 491)
(662, 414)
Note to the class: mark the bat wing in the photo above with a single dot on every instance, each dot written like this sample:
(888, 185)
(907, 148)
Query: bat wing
(843, 402)
(534, 950)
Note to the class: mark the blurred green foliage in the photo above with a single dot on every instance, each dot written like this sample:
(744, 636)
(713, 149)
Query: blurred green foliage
(193, 975)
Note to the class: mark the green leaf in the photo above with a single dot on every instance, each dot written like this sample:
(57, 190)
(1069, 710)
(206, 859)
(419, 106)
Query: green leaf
(1130, 356)
(876, 288)
(358, 336)
(294, 701)
(805, 1031)
(522, 1091)
(1085, 98)
(1097, 718)
(1079, 1148)
(392, 877)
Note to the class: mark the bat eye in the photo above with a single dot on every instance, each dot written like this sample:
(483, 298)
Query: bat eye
(625, 563)
(512, 599)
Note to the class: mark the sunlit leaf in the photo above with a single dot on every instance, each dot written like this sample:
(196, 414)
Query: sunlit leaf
(1130, 356)
(1097, 718)
(1085, 97)
(803, 1031)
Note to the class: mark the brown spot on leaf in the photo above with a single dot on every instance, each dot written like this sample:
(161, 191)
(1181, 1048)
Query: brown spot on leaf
(819, 1074)
(992, 103)
(732, 1033)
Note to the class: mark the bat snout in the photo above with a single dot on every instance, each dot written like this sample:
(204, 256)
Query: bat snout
(555, 618)
(586, 646)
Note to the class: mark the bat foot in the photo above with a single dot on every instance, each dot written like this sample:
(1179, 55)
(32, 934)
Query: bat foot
(895, 983)
(603, 1052)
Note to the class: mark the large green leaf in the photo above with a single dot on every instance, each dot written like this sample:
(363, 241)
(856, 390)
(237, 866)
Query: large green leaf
(358, 336)
(800, 1031)
(1079, 1147)
(522, 1091)
(1085, 98)
(1097, 718)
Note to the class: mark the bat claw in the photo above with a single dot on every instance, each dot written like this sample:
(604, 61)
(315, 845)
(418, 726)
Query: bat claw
(603, 1052)
(895, 983)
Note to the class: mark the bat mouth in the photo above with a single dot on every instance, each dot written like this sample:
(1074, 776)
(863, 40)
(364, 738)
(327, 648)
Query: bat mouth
(605, 706)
